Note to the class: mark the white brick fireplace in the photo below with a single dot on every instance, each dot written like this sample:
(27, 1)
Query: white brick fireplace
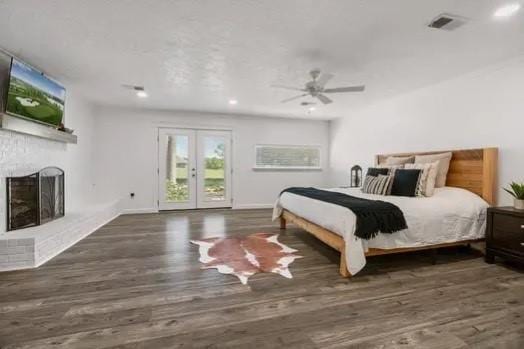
(31, 247)
(24, 154)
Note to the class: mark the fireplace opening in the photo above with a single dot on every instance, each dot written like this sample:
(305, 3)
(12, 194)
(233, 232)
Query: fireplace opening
(35, 199)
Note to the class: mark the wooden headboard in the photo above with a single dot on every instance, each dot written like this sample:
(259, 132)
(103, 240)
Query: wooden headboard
(471, 169)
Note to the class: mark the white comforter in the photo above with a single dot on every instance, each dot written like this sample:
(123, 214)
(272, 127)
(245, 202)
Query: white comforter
(452, 214)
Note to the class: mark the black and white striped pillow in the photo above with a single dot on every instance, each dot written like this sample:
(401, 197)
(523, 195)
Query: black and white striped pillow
(376, 185)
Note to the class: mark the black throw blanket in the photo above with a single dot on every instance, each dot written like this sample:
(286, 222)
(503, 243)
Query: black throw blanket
(373, 216)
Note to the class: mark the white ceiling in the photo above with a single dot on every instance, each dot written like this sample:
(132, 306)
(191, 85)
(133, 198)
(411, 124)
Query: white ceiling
(196, 55)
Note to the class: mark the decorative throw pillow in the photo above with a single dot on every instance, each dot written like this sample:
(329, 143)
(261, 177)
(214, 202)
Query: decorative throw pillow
(443, 166)
(395, 160)
(392, 168)
(376, 185)
(375, 171)
(405, 182)
(391, 173)
(427, 178)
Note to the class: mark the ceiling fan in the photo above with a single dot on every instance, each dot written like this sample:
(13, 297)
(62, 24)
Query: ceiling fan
(315, 88)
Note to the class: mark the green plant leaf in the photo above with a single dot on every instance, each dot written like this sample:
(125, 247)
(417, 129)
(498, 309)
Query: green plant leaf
(510, 192)
(517, 190)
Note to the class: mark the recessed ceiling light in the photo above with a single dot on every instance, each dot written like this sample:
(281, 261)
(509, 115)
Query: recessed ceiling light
(312, 108)
(141, 94)
(233, 102)
(508, 10)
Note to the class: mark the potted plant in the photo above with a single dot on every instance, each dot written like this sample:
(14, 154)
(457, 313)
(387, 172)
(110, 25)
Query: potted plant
(517, 191)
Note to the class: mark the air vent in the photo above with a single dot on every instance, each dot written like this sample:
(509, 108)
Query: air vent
(133, 87)
(447, 22)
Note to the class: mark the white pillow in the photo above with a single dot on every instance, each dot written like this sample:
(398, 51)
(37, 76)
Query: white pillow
(426, 184)
(396, 160)
(443, 166)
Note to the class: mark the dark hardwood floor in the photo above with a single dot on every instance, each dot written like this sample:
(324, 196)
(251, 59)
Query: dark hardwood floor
(137, 283)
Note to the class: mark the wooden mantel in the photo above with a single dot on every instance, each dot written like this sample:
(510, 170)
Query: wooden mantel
(27, 127)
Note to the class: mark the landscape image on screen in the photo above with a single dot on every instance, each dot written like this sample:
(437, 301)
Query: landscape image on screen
(32, 95)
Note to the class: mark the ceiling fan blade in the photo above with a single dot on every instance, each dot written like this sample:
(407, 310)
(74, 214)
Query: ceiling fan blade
(324, 99)
(293, 98)
(345, 89)
(324, 78)
(288, 87)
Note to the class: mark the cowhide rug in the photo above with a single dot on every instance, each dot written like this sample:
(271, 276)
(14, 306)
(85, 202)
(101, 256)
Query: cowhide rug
(246, 256)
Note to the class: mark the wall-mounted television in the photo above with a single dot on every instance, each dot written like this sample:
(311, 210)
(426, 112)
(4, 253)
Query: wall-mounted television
(5, 68)
(32, 95)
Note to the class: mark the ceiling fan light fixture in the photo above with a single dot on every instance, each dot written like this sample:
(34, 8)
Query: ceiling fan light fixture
(316, 88)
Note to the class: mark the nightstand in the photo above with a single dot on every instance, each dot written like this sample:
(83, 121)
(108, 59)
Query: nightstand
(505, 234)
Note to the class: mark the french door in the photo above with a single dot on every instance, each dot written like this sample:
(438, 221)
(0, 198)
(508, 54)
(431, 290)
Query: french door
(194, 168)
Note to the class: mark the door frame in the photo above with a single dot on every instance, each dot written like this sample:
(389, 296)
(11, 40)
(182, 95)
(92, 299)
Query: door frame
(167, 125)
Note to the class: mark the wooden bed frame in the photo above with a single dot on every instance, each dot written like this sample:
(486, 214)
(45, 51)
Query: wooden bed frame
(472, 169)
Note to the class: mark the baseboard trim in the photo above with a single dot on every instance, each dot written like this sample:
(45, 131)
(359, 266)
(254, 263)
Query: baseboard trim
(251, 206)
(139, 210)
(155, 210)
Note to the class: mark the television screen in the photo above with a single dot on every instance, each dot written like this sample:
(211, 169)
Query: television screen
(33, 96)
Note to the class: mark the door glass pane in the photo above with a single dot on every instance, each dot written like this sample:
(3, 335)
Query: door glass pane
(177, 168)
(214, 172)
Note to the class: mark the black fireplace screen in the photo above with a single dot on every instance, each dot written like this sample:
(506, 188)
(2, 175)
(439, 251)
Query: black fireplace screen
(35, 199)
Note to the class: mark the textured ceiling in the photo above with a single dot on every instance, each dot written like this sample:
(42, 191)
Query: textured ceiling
(196, 55)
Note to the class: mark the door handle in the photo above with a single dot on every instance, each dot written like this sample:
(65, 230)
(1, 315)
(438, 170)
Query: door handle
(193, 175)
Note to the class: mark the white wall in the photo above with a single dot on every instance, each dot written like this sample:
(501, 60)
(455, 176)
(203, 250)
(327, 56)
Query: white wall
(482, 109)
(22, 154)
(126, 154)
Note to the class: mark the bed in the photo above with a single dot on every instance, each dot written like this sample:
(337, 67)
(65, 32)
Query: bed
(455, 215)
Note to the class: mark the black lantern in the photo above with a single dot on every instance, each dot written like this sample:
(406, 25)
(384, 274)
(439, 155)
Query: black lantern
(355, 179)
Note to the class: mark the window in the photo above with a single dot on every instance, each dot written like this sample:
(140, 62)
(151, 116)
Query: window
(298, 157)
